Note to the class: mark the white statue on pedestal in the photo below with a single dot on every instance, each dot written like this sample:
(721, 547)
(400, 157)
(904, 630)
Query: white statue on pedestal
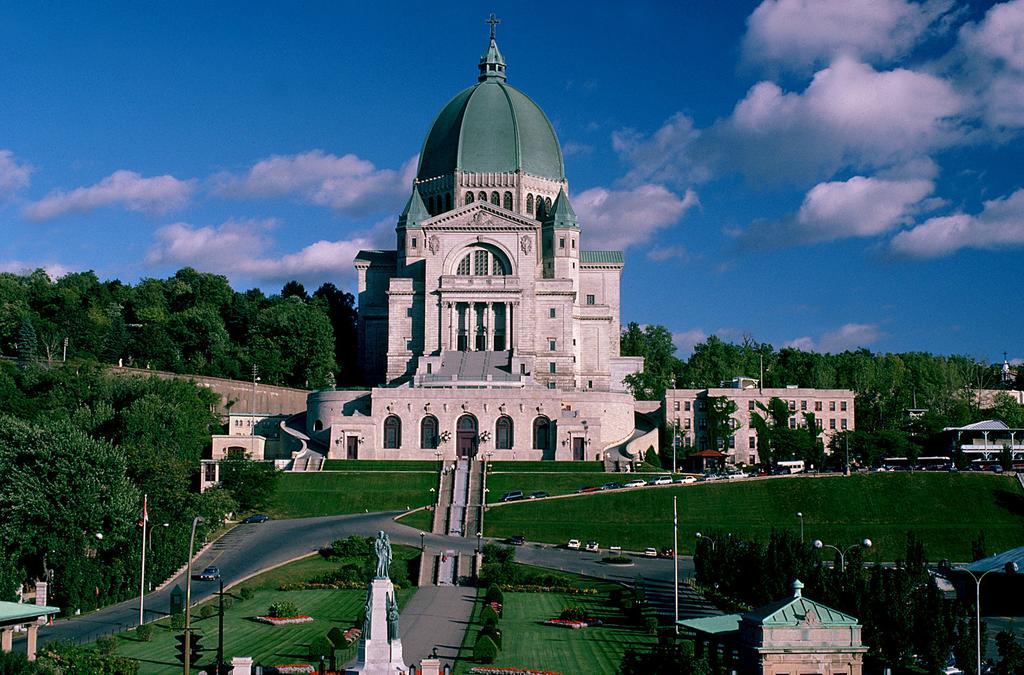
(380, 646)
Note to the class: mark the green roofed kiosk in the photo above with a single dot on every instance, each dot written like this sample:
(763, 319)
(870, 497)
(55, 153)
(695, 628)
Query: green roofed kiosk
(13, 614)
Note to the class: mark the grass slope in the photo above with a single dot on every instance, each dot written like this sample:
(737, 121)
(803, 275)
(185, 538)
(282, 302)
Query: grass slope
(529, 644)
(946, 510)
(380, 465)
(546, 467)
(300, 495)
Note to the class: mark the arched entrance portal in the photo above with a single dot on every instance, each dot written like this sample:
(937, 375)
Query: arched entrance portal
(466, 436)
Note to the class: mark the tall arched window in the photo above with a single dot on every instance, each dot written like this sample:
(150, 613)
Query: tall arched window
(469, 197)
(448, 201)
(529, 203)
(540, 208)
(483, 261)
(392, 432)
(482, 196)
(508, 201)
(547, 204)
(541, 433)
(504, 438)
(430, 204)
(496, 199)
(428, 432)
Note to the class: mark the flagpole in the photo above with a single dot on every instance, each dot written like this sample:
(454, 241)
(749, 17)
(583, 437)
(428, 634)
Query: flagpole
(142, 580)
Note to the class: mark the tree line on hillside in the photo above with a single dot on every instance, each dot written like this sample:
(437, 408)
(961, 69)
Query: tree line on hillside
(942, 389)
(78, 450)
(192, 322)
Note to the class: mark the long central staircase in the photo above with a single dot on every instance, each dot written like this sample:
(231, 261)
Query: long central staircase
(457, 513)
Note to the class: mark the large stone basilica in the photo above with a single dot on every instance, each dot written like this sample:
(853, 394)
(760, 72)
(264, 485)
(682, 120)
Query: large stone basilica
(489, 328)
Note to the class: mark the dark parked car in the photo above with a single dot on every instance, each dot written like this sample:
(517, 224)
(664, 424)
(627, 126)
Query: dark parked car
(513, 496)
(517, 540)
(257, 518)
(211, 573)
(539, 495)
(611, 486)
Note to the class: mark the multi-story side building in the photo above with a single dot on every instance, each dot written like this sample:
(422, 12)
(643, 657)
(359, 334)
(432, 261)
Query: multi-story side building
(833, 411)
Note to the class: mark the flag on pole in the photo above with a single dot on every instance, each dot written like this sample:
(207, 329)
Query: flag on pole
(144, 516)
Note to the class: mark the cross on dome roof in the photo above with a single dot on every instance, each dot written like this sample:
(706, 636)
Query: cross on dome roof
(492, 64)
(494, 21)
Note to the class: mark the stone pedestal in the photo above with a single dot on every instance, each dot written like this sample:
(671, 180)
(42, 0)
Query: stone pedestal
(380, 653)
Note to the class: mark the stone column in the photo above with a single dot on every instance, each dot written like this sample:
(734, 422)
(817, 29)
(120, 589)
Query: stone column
(6, 639)
(508, 325)
(514, 306)
(451, 322)
(488, 327)
(30, 646)
(470, 326)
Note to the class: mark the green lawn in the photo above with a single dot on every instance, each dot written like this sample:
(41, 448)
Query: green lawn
(549, 467)
(245, 637)
(421, 520)
(300, 495)
(559, 483)
(526, 643)
(946, 511)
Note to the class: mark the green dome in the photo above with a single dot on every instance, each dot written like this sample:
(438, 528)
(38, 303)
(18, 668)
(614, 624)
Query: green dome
(491, 127)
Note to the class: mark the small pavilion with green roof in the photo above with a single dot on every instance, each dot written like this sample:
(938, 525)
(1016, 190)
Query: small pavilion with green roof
(791, 636)
(13, 614)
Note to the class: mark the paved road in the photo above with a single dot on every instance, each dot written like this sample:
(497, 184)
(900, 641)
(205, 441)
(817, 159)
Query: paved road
(249, 549)
(436, 616)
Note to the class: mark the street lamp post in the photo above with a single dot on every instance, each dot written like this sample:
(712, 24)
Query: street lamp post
(1009, 568)
(423, 537)
(800, 515)
(704, 536)
(479, 537)
(842, 552)
(188, 591)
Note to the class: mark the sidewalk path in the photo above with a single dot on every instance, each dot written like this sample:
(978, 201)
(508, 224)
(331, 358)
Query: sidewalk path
(437, 616)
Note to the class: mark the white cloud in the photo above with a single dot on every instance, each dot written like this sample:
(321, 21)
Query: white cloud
(846, 337)
(993, 51)
(858, 207)
(127, 189)
(14, 176)
(242, 249)
(53, 269)
(999, 225)
(801, 34)
(616, 219)
(663, 253)
(346, 183)
(685, 340)
(664, 157)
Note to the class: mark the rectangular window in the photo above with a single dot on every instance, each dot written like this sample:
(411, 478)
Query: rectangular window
(590, 385)
(792, 405)
(408, 311)
(842, 406)
(561, 242)
(591, 300)
(702, 423)
(551, 367)
(675, 406)
(792, 423)
(408, 344)
(751, 406)
(832, 406)
(430, 368)
(574, 243)
(732, 442)
(552, 345)
(817, 406)
(687, 423)
(522, 369)
(818, 423)
(842, 423)
(551, 385)
(686, 406)
(803, 405)
(414, 242)
(752, 442)
(701, 404)
(551, 313)
(832, 423)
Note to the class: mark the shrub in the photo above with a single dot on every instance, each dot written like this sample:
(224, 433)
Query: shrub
(352, 547)
(651, 624)
(491, 631)
(206, 611)
(337, 637)
(245, 593)
(106, 645)
(573, 613)
(144, 632)
(228, 602)
(616, 560)
(484, 650)
(320, 647)
(177, 621)
(283, 609)
(494, 594)
(488, 612)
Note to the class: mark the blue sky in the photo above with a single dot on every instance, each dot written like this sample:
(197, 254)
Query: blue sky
(824, 173)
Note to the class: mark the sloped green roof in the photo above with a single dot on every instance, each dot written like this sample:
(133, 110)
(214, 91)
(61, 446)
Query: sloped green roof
(377, 257)
(415, 211)
(562, 214)
(491, 127)
(713, 625)
(13, 612)
(791, 611)
(601, 257)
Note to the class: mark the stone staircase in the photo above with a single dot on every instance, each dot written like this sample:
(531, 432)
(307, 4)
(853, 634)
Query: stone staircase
(660, 595)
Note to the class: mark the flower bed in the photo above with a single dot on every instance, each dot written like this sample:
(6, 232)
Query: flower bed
(537, 588)
(353, 634)
(284, 620)
(566, 623)
(502, 670)
(290, 668)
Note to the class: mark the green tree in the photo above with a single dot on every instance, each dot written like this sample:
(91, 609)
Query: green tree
(250, 483)
(293, 343)
(654, 344)
(721, 425)
(27, 342)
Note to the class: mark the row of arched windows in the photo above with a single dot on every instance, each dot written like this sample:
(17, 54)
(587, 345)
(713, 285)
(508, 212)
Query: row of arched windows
(439, 204)
(543, 205)
(496, 199)
(504, 433)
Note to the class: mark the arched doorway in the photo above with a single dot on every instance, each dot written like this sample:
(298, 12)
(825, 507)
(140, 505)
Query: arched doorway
(466, 436)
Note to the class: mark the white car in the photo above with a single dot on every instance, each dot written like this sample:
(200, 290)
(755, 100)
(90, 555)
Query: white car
(615, 550)
(662, 480)
(592, 546)
(635, 483)
(574, 544)
(687, 480)
(651, 552)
